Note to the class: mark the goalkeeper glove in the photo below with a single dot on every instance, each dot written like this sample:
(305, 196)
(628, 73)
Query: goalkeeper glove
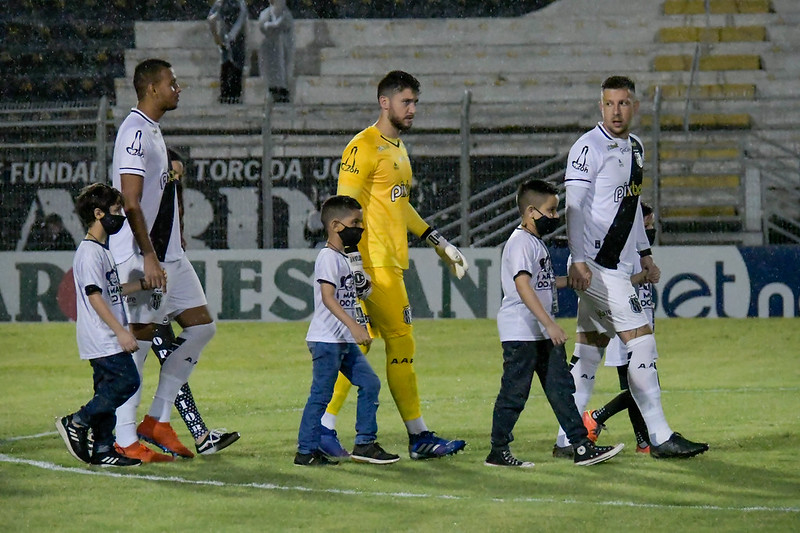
(362, 281)
(451, 255)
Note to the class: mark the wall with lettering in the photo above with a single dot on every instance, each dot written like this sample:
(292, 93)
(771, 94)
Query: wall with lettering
(276, 285)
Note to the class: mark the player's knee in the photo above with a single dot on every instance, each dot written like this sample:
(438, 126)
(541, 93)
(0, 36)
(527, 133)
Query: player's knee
(201, 333)
(589, 353)
(400, 349)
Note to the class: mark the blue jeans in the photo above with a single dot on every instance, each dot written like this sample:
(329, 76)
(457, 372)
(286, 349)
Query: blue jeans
(327, 360)
(115, 380)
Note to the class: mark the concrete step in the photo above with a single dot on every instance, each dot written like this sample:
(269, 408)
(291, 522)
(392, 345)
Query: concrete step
(353, 33)
(694, 34)
(708, 200)
(696, 7)
(331, 145)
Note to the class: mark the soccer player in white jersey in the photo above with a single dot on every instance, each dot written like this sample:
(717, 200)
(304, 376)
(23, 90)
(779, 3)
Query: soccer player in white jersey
(149, 247)
(617, 356)
(604, 229)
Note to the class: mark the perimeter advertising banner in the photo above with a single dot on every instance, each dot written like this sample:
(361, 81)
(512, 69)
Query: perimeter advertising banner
(276, 285)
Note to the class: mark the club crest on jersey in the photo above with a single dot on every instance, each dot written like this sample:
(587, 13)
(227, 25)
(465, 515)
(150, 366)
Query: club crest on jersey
(349, 163)
(580, 162)
(401, 190)
(636, 305)
(135, 149)
(407, 318)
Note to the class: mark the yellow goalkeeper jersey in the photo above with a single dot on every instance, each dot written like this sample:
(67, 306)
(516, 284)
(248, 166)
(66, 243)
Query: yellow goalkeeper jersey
(376, 171)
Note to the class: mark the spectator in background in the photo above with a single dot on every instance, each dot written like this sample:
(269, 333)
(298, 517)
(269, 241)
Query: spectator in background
(228, 22)
(51, 235)
(276, 60)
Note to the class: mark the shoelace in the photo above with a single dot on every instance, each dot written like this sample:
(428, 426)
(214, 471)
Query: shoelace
(510, 459)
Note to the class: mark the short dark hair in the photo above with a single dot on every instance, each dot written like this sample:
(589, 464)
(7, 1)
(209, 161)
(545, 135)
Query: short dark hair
(96, 195)
(397, 81)
(147, 72)
(337, 206)
(529, 190)
(647, 209)
(619, 82)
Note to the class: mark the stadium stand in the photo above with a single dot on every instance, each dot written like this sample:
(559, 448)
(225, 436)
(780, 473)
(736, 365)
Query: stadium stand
(533, 78)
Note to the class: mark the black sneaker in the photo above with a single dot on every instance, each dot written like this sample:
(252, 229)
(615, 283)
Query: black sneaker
(677, 446)
(588, 453)
(563, 452)
(504, 457)
(372, 453)
(75, 437)
(113, 458)
(315, 458)
(216, 440)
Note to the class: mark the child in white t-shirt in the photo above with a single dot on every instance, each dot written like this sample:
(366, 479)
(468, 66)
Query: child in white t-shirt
(532, 341)
(333, 338)
(101, 330)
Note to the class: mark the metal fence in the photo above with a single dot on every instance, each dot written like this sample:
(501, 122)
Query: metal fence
(50, 151)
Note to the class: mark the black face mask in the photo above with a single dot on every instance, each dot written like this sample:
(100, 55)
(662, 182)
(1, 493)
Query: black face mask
(651, 235)
(546, 225)
(351, 236)
(112, 223)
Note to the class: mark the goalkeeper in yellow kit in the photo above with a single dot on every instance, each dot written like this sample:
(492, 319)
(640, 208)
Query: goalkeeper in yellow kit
(376, 171)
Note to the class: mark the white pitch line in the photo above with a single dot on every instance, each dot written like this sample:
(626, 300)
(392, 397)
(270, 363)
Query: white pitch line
(25, 437)
(352, 492)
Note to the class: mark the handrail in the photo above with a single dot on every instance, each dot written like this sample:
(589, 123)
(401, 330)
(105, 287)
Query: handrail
(695, 67)
(488, 191)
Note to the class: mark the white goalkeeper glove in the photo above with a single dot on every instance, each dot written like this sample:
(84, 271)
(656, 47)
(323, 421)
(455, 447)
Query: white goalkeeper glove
(362, 280)
(451, 255)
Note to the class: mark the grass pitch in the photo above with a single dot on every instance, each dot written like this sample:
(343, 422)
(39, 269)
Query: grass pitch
(733, 383)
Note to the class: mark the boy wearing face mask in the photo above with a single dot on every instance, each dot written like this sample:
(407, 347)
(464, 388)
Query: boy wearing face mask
(532, 341)
(101, 330)
(337, 328)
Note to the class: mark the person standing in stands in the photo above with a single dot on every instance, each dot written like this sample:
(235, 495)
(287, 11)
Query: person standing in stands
(276, 58)
(228, 22)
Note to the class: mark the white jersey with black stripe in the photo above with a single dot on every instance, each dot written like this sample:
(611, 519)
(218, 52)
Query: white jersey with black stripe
(140, 150)
(611, 169)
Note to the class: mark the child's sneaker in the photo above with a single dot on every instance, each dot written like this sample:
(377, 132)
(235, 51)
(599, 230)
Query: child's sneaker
(427, 445)
(137, 450)
(216, 440)
(162, 435)
(589, 453)
(372, 453)
(75, 437)
(329, 444)
(504, 457)
(113, 458)
(315, 458)
(563, 452)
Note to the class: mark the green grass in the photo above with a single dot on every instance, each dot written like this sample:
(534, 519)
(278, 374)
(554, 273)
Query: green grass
(733, 383)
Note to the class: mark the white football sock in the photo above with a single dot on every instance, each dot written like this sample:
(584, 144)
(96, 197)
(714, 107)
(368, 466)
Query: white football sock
(178, 367)
(583, 373)
(329, 420)
(646, 391)
(415, 426)
(126, 413)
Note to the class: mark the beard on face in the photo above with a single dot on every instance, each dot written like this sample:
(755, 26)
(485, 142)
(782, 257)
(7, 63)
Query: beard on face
(398, 123)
